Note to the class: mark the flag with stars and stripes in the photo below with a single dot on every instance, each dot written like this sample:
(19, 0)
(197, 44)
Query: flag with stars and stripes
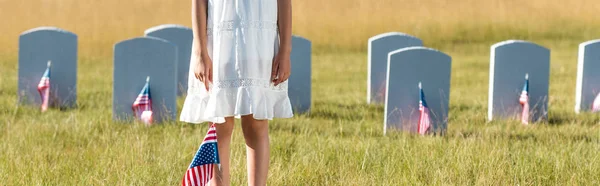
(44, 88)
(142, 106)
(524, 100)
(596, 104)
(424, 119)
(200, 171)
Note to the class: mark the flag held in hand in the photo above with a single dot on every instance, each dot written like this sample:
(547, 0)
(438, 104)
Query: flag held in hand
(44, 88)
(200, 171)
(524, 101)
(142, 106)
(424, 119)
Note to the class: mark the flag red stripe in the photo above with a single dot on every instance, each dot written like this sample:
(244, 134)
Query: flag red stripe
(188, 178)
(194, 178)
(202, 173)
(210, 172)
(210, 138)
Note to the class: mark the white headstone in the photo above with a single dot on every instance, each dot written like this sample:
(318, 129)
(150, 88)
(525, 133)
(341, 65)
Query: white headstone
(136, 59)
(588, 75)
(299, 83)
(510, 61)
(379, 47)
(37, 47)
(406, 68)
(182, 37)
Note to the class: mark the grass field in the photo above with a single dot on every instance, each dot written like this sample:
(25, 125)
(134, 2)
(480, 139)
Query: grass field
(340, 141)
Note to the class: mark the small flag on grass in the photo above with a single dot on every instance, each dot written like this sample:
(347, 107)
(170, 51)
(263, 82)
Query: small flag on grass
(424, 119)
(44, 88)
(524, 100)
(200, 171)
(142, 106)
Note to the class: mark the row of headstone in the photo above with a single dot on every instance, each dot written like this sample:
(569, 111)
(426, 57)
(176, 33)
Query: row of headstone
(510, 62)
(163, 55)
(397, 64)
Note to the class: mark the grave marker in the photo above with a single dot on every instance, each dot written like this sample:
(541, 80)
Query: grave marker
(588, 75)
(406, 68)
(134, 61)
(299, 83)
(182, 37)
(510, 61)
(38, 46)
(379, 47)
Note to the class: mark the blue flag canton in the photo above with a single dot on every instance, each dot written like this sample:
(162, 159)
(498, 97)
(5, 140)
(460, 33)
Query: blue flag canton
(422, 98)
(207, 154)
(47, 73)
(146, 90)
(526, 85)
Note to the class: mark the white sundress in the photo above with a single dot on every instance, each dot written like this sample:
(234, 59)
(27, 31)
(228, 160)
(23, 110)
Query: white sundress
(242, 42)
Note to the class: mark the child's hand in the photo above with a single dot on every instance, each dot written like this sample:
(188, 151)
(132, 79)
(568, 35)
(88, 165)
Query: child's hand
(203, 71)
(281, 68)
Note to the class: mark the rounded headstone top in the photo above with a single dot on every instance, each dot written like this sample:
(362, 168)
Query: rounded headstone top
(48, 28)
(416, 48)
(160, 27)
(392, 34)
(144, 39)
(300, 37)
(509, 42)
(591, 42)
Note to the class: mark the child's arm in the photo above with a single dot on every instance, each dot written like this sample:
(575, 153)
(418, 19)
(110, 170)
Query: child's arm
(284, 16)
(199, 23)
(281, 64)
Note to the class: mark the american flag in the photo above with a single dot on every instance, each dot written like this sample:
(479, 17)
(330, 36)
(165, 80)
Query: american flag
(596, 104)
(44, 88)
(142, 106)
(424, 120)
(524, 100)
(200, 171)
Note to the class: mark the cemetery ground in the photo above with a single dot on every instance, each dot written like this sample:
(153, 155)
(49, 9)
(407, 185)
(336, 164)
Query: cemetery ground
(340, 142)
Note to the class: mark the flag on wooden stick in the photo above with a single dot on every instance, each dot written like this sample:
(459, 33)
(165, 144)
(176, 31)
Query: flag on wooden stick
(44, 88)
(424, 119)
(200, 171)
(524, 100)
(142, 106)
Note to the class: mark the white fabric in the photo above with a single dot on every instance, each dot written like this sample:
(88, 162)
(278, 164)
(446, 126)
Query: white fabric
(242, 42)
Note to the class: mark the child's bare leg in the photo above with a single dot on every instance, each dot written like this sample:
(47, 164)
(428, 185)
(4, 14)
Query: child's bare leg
(224, 131)
(256, 133)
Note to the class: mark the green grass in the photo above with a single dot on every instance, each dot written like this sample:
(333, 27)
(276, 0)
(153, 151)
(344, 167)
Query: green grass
(339, 142)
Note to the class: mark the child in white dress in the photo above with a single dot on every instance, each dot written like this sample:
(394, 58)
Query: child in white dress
(239, 68)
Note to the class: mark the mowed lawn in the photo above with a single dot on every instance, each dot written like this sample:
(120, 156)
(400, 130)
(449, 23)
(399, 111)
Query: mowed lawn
(340, 142)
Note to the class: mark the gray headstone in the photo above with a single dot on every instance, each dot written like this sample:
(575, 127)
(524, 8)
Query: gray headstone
(134, 60)
(406, 68)
(379, 47)
(510, 61)
(182, 37)
(588, 75)
(37, 47)
(299, 83)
